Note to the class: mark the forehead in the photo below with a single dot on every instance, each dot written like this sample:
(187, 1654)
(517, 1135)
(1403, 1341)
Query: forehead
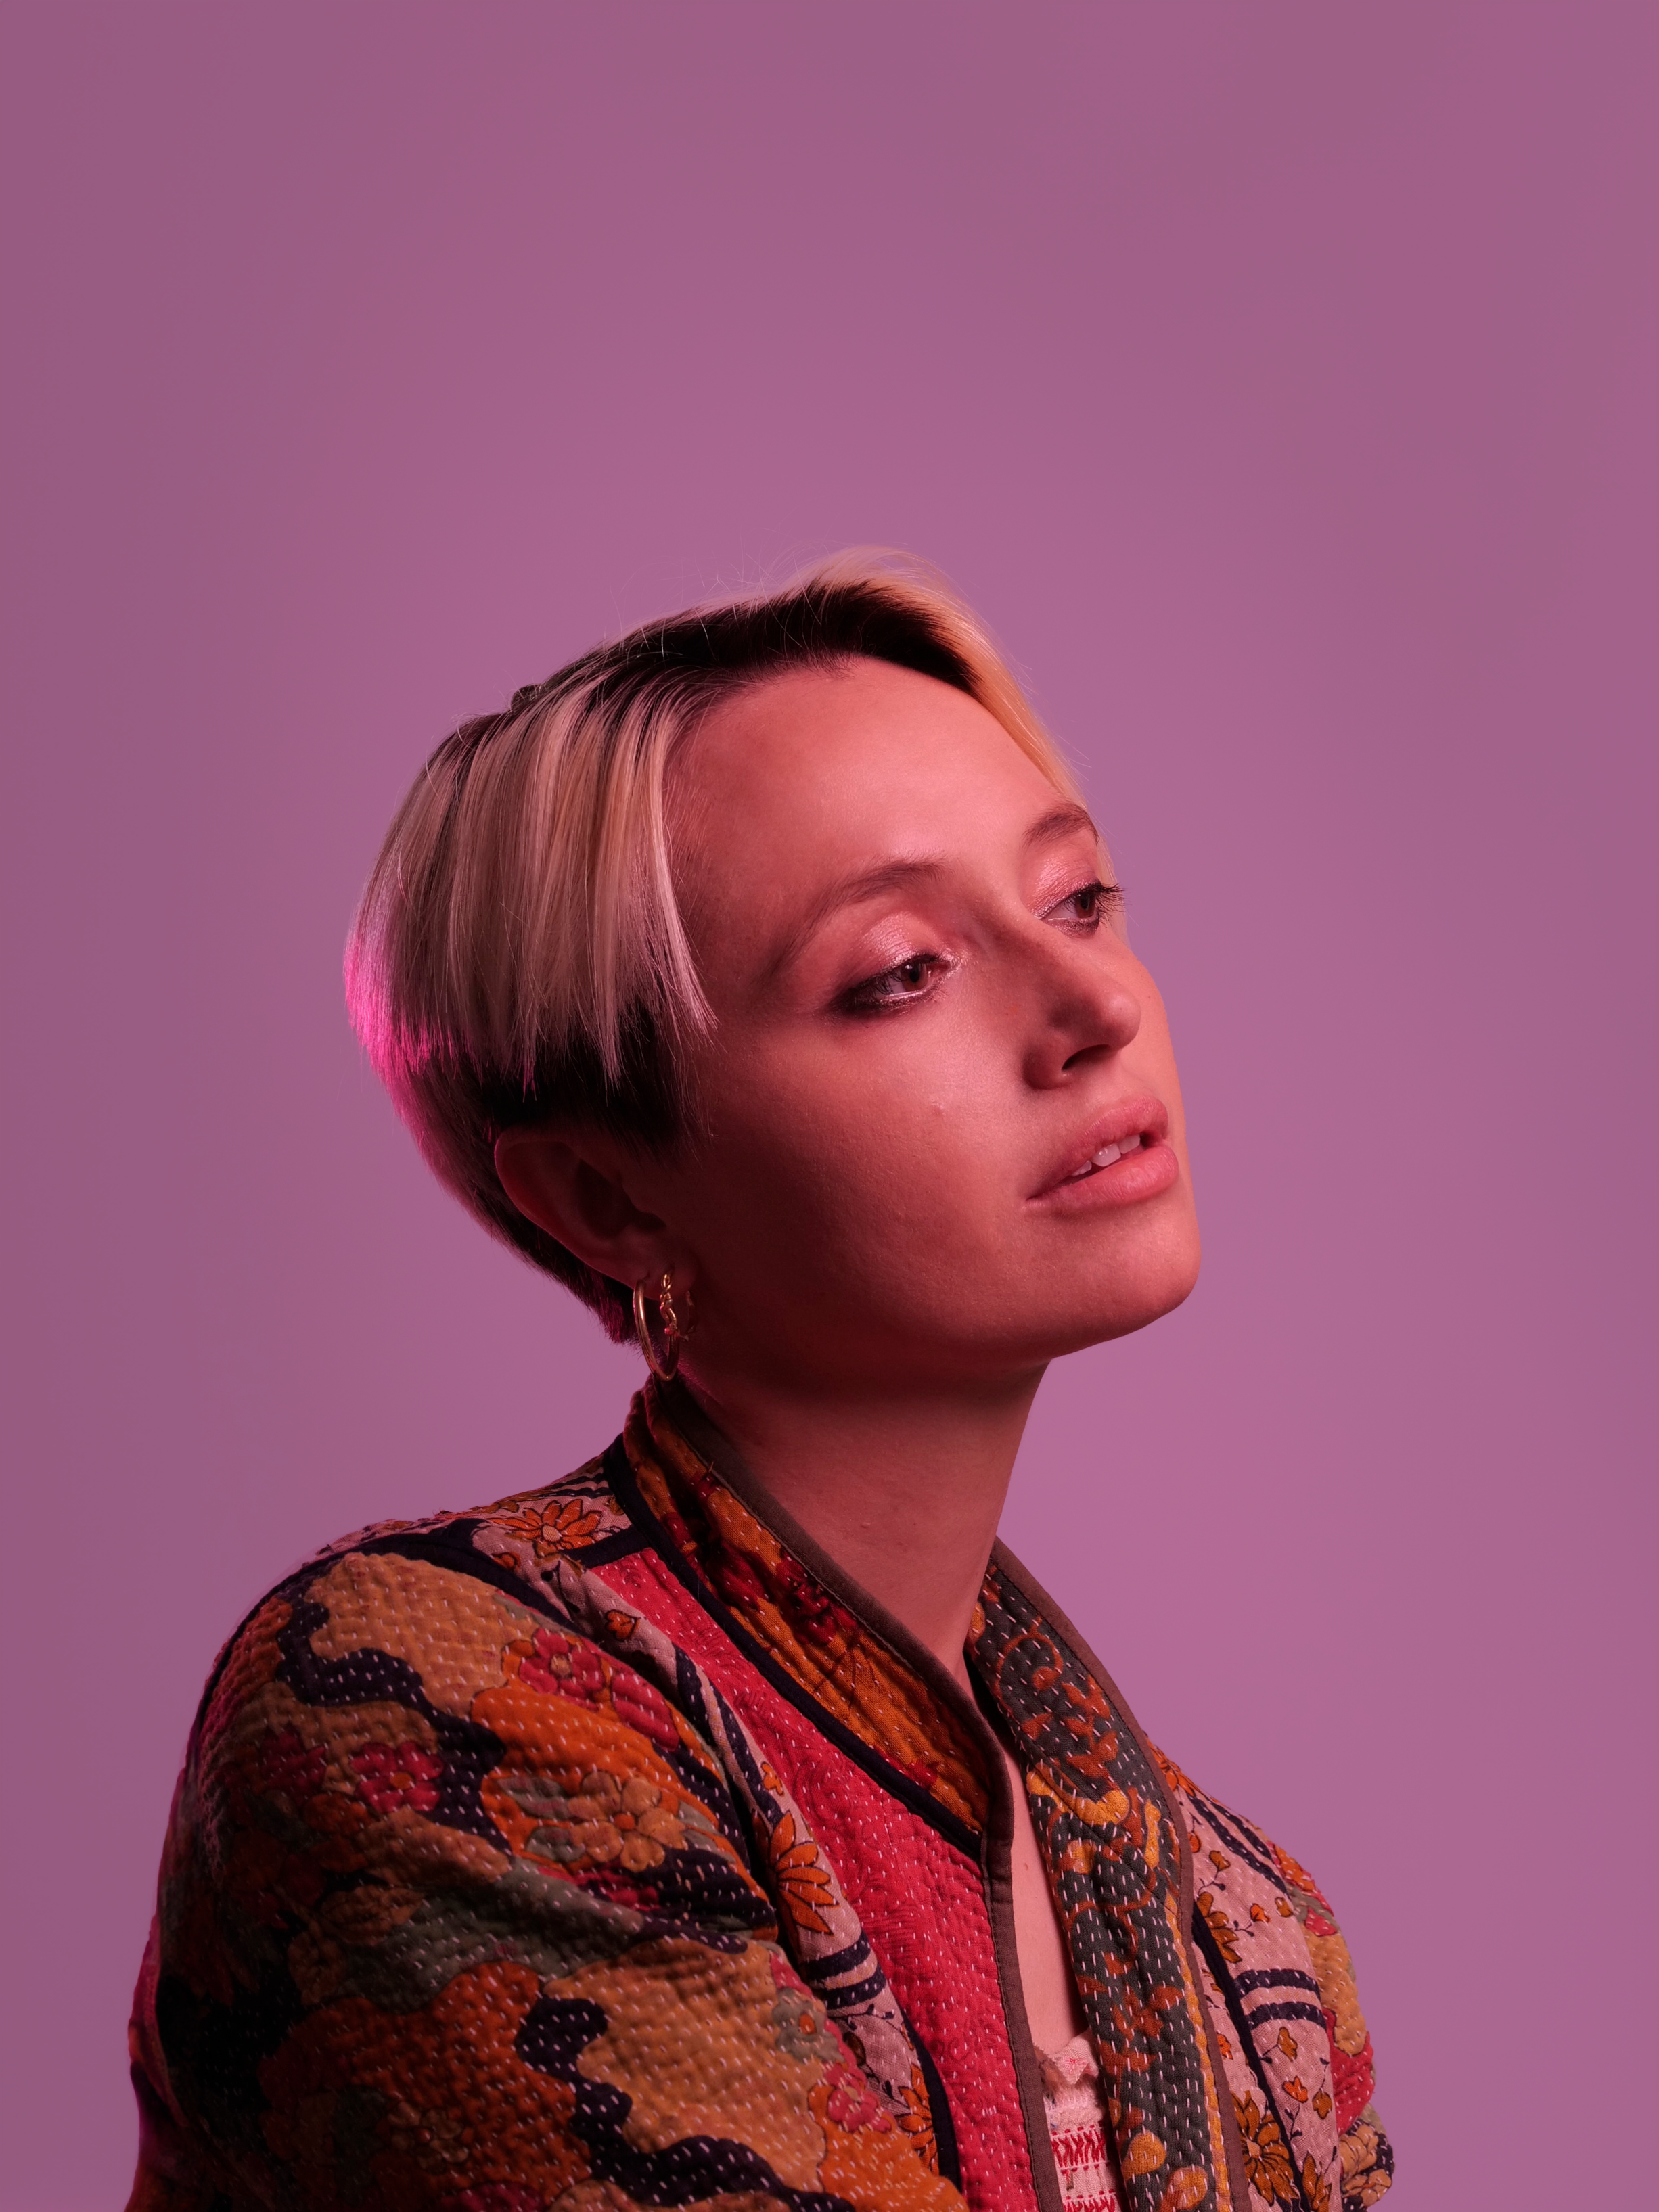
(838, 767)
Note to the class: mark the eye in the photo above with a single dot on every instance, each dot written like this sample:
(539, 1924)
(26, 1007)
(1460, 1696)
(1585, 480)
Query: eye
(898, 986)
(1087, 907)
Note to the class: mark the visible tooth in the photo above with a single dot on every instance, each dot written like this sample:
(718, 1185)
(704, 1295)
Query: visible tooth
(1107, 1154)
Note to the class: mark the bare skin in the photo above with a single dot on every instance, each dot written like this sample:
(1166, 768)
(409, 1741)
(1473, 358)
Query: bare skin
(927, 1023)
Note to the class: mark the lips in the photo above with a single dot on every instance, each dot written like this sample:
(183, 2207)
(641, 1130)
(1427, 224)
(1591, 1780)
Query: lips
(1124, 1154)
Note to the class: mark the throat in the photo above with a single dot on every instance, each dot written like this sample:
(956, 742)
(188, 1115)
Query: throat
(904, 1498)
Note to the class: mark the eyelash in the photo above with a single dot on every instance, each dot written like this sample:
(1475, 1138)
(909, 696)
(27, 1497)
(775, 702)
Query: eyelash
(1108, 899)
(869, 998)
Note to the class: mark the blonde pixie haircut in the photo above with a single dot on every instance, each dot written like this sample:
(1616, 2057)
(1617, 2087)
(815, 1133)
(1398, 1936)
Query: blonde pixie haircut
(518, 954)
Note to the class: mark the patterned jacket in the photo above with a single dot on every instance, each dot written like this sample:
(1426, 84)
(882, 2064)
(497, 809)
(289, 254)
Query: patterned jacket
(605, 1847)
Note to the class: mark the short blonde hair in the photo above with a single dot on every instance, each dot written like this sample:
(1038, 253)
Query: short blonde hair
(519, 956)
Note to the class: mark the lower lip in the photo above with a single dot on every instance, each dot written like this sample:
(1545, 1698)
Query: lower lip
(1145, 1173)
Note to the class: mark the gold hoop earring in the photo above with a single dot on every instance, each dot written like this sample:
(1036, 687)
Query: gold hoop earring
(674, 1331)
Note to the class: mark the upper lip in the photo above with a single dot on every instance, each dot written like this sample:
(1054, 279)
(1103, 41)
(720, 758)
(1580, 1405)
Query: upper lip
(1130, 1117)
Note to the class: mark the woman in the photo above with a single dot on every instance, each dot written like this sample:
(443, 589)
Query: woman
(735, 1818)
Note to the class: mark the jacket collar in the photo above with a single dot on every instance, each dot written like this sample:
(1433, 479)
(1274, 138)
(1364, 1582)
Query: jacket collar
(1106, 1817)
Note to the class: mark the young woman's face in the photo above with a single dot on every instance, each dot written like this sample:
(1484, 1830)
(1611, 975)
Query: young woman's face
(939, 1133)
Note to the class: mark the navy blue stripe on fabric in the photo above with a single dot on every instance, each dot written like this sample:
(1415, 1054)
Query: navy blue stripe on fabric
(1226, 1826)
(1285, 2012)
(620, 1544)
(838, 2000)
(938, 2104)
(841, 1962)
(1275, 1978)
(1221, 1974)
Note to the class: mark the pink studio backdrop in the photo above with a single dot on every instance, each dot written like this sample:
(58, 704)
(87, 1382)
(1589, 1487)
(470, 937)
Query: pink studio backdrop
(1279, 382)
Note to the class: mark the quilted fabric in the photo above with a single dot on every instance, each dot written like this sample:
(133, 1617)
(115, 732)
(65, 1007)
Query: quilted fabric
(589, 1849)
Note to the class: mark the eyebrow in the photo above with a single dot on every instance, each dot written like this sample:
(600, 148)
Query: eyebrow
(1062, 822)
(866, 883)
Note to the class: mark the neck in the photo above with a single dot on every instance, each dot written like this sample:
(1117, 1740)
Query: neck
(903, 1493)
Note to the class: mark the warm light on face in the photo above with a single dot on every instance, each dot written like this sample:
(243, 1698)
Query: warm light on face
(941, 1127)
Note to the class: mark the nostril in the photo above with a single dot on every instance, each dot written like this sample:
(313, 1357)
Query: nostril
(1089, 1054)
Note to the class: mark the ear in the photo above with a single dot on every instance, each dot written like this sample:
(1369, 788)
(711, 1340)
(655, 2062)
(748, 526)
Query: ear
(576, 1191)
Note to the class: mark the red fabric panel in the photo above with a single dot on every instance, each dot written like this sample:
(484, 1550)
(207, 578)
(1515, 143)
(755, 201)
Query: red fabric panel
(920, 1898)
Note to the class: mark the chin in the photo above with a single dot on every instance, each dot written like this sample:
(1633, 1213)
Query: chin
(1132, 1298)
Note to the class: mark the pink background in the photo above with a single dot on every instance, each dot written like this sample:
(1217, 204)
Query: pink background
(1278, 381)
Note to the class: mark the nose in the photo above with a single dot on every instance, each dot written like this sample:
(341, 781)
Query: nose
(1077, 1002)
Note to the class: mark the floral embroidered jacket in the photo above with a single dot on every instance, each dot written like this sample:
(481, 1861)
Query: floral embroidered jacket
(606, 1847)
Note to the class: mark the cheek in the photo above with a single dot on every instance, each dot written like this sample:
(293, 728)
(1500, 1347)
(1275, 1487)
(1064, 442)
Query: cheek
(847, 1162)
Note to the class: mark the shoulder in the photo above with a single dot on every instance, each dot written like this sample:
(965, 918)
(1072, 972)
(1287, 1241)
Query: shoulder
(461, 1691)
(471, 1617)
(452, 1842)
(458, 1589)
(579, 1518)
(402, 1765)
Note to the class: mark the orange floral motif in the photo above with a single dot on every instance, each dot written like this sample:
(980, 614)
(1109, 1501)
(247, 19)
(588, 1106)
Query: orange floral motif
(1287, 2042)
(609, 1821)
(553, 1529)
(1220, 1927)
(1321, 2102)
(1314, 2187)
(803, 1882)
(1187, 2186)
(1093, 1721)
(1181, 1784)
(1359, 2150)
(1142, 2154)
(915, 2122)
(1145, 2019)
(1297, 2087)
(1298, 1877)
(1267, 2160)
